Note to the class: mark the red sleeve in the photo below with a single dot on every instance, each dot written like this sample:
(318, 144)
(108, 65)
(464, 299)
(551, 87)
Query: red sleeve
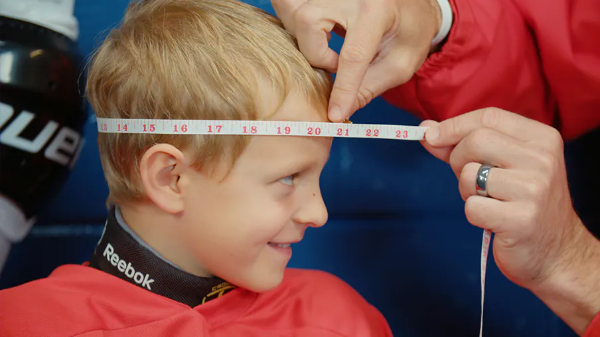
(538, 58)
(593, 330)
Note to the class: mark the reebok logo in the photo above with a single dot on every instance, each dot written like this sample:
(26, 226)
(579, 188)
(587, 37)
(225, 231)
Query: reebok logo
(126, 267)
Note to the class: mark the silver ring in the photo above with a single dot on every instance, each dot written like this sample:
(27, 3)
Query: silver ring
(481, 182)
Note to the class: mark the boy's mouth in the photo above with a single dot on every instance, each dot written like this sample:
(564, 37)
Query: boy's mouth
(280, 245)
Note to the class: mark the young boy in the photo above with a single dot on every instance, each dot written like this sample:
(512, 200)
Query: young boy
(199, 236)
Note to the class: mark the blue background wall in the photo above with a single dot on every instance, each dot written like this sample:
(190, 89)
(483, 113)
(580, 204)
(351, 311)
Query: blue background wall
(397, 231)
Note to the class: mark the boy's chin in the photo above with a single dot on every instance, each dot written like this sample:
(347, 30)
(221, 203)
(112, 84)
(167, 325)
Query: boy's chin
(265, 282)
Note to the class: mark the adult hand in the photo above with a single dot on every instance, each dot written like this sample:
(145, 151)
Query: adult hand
(386, 41)
(540, 243)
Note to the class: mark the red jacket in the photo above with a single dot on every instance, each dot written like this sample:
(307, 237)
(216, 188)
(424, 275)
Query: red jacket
(83, 301)
(538, 58)
(593, 330)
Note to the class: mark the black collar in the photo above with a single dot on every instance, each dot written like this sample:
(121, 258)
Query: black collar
(120, 252)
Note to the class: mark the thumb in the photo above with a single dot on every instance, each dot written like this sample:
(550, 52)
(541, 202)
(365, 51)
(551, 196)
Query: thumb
(441, 153)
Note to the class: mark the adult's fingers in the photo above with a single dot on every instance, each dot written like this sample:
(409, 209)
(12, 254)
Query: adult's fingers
(498, 216)
(313, 27)
(501, 184)
(360, 46)
(285, 11)
(392, 68)
(453, 130)
(493, 148)
(441, 153)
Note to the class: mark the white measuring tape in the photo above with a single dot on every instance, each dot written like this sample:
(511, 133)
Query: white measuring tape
(485, 247)
(260, 128)
(281, 128)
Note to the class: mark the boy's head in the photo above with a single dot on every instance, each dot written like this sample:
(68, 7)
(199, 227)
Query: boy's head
(231, 203)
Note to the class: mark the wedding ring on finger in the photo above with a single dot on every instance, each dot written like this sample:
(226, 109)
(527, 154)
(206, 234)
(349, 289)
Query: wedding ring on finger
(481, 181)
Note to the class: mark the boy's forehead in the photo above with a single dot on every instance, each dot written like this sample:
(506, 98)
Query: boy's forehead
(282, 154)
(295, 107)
(288, 150)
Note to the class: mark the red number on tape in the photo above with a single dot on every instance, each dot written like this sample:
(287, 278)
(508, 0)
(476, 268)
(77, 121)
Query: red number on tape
(317, 131)
(287, 130)
(252, 129)
(375, 133)
(218, 127)
(104, 127)
(400, 134)
(152, 128)
(340, 132)
(184, 128)
(119, 127)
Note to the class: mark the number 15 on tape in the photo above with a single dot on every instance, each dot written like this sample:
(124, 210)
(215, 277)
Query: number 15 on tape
(260, 128)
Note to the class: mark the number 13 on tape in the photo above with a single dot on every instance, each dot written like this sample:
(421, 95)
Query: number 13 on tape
(260, 128)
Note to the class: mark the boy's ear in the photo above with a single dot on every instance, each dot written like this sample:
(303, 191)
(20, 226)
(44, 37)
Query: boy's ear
(160, 169)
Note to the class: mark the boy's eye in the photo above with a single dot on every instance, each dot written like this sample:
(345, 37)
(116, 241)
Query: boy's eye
(289, 180)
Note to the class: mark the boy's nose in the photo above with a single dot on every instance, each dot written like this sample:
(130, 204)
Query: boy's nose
(313, 212)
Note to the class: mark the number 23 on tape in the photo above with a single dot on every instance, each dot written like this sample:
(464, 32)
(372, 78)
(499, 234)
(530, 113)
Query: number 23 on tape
(266, 128)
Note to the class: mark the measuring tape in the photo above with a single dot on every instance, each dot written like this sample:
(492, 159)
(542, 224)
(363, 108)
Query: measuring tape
(485, 247)
(281, 128)
(260, 128)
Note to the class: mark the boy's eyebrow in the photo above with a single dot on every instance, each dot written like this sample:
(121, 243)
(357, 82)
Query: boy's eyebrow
(295, 163)
(303, 162)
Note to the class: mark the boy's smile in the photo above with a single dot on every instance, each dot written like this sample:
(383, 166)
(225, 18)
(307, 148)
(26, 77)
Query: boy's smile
(285, 249)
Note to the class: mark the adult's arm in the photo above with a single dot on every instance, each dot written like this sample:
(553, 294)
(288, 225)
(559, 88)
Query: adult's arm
(538, 58)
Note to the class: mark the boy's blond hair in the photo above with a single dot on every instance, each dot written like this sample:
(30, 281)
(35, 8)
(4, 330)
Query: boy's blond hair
(191, 59)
